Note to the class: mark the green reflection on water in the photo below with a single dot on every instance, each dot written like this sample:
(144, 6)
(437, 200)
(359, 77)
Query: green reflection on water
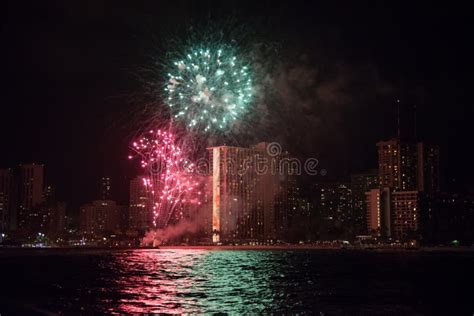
(195, 281)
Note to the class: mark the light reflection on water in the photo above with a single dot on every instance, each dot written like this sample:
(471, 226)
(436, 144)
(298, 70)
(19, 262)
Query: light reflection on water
(194, 281)
(88, 281)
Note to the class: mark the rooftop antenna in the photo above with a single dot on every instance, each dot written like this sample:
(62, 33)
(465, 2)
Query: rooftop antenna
(414, 120)
(398, 118)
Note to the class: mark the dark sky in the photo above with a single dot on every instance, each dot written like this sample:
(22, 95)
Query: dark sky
(67, 71)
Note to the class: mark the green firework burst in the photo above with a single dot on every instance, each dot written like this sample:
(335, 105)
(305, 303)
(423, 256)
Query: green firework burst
(209, 87)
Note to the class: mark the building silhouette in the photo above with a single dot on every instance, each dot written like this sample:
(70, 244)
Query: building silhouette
(428, 170)
(140, 207)
(6, 198)
(105, 188)
(334, 206)
(361, 183)
(101, 217)
(31, 180)
(54, 212)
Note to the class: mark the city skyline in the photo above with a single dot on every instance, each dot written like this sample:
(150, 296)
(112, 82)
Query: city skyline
(252, 194)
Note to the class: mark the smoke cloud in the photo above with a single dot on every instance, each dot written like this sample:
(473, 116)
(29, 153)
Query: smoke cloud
(319, 107)
(157, 237)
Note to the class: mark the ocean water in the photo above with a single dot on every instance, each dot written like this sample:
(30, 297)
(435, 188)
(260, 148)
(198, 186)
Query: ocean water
(325, 282)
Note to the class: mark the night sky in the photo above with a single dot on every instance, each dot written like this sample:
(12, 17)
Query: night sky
(68, 74)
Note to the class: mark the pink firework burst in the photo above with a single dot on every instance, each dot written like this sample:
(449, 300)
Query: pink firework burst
(169, 181)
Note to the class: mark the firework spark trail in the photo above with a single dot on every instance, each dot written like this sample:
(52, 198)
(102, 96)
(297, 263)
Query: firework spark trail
(169, 181)
(208, 87)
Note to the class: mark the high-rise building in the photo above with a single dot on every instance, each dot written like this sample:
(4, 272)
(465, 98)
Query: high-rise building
(405, 214)
(360, 184)
(6, 198)
(55, 218)
(202, 214)
(53, 212)
(446, 217)
(30, 196)
(408, 166)
(397, 164)
(407, 169)
(333, 203)
(49, 195)
(428, 177)
(251, 190)
(237, 206)
(303, 221)
(105, 188)
(59, 218)
(374, 206)
(393, 214)
(378, 202)
(140, 208)
(277, 172)
(100, 217)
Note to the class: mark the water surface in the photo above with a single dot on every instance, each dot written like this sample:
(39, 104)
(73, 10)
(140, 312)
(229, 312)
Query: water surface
(235, 281)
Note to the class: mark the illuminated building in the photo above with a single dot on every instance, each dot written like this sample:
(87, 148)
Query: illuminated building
(140, 208)
(405, 214)
(408, 166)
(251, 193)
(333, 203)
(100, 217)
(397, 164)
(105, 188)
(373, 203)
(237, 208)
(393, 214)
(378, 212)
(407, 170)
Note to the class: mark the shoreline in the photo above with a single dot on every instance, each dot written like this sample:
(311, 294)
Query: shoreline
(241, 248)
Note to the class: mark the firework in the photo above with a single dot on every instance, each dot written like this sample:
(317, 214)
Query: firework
(169, 179)
(208, 87)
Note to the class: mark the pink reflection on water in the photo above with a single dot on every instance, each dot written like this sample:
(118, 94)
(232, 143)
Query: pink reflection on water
(192, 281)
(157, 281)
